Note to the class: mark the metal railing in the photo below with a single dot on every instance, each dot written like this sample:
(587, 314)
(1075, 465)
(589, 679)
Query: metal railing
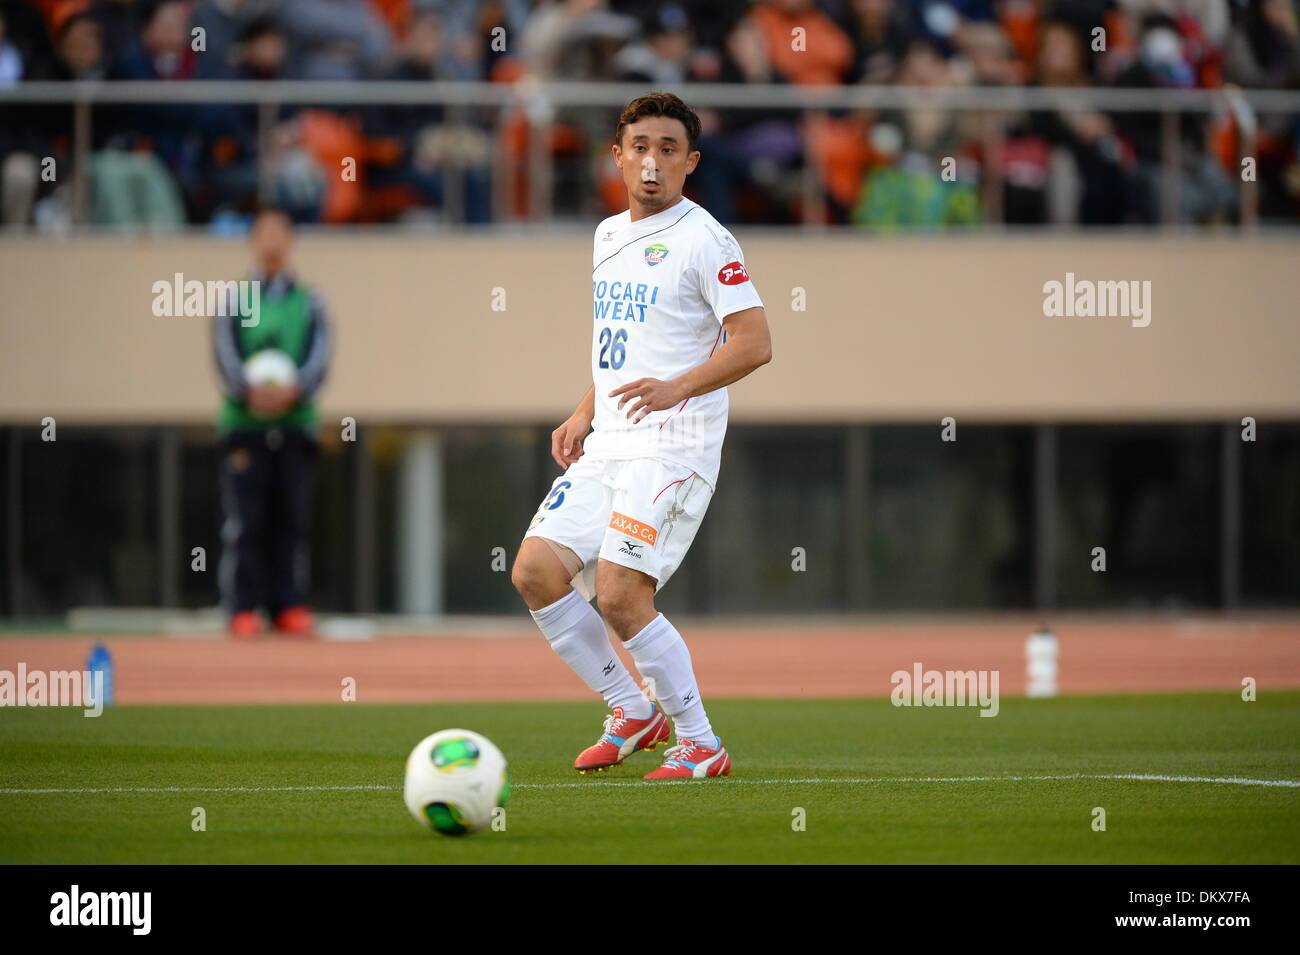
(537, 103)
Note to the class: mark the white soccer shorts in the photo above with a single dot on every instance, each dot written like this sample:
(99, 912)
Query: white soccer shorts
(640, 513)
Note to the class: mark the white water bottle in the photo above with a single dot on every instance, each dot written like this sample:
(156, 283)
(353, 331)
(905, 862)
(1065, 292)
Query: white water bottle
(1040, 660)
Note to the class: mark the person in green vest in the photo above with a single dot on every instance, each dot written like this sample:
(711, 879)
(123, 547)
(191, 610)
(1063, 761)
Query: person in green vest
(267, 437)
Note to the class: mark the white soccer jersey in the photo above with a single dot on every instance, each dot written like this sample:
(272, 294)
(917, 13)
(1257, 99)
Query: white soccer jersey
(661, 287)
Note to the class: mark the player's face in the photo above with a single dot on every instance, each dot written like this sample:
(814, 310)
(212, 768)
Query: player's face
(271, 239)
(655, 160)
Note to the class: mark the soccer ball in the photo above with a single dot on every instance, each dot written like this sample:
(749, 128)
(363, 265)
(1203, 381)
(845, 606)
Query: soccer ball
(454, 779)
(271, 367)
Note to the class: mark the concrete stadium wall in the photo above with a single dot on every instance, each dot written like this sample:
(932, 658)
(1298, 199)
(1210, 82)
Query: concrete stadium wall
(894, 330)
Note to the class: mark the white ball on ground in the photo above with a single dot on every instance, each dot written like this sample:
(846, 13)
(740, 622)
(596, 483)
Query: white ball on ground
(455, 780)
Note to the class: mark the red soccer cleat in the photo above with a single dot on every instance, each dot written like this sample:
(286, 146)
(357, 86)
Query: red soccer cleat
(689, 760)
(623, 737)
(295, 622)
(246, 625)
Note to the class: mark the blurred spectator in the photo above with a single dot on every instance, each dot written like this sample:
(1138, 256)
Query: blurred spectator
(132, 190)
(19, 168)
(334, 39)
(11, 61)
(233, 175)
(820, 54)
(942, 20)
(120, 20)
(1019, 20)
(904, 189)
(164, 51)
(575, 39)
(79, 49)
(1205, 193)
(1091, 184)
(153, 148)
(880, 34)
(421, 56)
(986, 56)
(25, 49)
(1206, 20)
(415, 152)
(1102, 26)
(472, 50)
(663, 56)
(1264, 53)
(223, 23)
(29, 135)
(1264, 50)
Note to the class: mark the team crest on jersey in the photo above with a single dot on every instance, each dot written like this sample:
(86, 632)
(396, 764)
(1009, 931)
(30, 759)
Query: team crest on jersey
(654, 254)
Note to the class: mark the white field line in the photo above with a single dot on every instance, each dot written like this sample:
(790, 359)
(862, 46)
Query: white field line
(608, 783)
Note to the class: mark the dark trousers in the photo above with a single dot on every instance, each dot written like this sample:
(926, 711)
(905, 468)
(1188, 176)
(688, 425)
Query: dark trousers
(265, 499)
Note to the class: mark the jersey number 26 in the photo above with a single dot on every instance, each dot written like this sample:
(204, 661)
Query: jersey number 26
(613, 348)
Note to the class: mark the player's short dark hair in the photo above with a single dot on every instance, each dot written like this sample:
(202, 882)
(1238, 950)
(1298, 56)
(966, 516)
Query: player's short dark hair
(659, 104)
(272, 211)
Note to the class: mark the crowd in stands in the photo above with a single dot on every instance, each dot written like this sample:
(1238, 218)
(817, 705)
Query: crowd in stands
(161, 165)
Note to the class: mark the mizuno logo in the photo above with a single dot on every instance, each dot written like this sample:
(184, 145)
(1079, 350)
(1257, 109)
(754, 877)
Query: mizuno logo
(688, 697)
(609, 668)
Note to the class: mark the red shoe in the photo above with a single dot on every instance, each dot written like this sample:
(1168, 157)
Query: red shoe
(246, 625)
(295, 622)
(623, 737)
(689, 760)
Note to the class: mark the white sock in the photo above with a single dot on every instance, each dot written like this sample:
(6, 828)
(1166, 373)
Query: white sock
(578, 635)
(661, 656)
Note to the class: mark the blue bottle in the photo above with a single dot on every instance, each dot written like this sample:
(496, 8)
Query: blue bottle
(101, 661)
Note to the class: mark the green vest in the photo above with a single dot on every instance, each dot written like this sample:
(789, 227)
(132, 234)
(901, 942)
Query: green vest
(283, 323)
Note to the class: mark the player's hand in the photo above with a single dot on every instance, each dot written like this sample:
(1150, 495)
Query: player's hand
(566, 440)
(271, 401)
(260, 400)
(646, 395)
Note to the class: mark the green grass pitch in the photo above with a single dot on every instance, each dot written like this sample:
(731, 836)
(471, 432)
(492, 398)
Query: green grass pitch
(239, 762)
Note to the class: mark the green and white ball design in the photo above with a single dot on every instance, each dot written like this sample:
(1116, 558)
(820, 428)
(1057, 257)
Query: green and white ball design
(454, 780)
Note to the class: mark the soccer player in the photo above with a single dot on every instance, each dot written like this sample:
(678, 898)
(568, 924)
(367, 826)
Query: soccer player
(677, 319)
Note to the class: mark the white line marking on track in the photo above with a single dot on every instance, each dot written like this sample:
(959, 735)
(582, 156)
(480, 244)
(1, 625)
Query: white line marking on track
(607, 783)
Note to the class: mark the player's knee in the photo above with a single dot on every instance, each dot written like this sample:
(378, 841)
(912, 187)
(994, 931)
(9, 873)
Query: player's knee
(525, 575)
(623, 607)
(538, 580)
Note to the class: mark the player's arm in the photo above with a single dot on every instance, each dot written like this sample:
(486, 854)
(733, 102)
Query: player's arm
(225, 346)
(315, 364)
(749, 346)
(566, 440)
